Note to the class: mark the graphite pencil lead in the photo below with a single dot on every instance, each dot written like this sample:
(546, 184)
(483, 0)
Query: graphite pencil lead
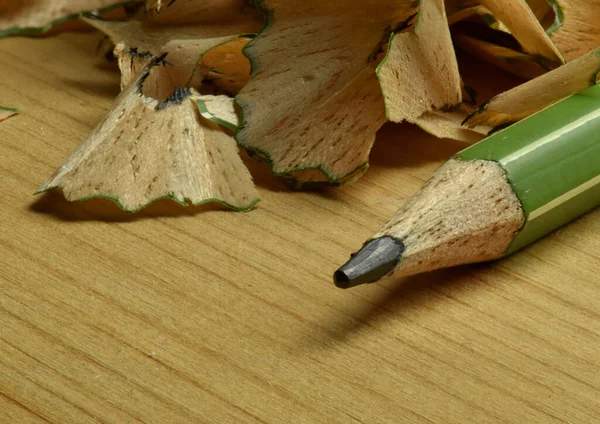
(376, 259)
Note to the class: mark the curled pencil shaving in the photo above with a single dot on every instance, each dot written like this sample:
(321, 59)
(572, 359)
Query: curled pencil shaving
(149, 148)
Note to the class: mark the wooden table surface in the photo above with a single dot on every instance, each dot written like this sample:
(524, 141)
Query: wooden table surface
(200, 315)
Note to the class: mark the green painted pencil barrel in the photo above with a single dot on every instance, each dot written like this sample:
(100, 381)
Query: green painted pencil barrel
(552, 160)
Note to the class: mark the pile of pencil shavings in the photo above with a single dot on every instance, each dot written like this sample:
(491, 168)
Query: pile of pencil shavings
(303, 85)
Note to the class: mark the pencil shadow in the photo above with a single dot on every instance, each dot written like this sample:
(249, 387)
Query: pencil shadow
(407, 145)
(54, 204)
(262, 176)
(108, 64)
(405, 294)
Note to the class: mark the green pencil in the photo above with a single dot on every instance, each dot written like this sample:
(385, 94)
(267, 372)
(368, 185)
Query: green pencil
(493, 198)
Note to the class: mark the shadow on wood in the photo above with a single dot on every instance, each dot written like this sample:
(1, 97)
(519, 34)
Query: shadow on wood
(398, 298)
(54, 204)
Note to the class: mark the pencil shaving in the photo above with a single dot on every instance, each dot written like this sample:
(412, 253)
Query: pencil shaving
(420, 72)
(313, 115)
(219, 109)
(449, 125)
(539, 93)
(576, 30)
(524, 26)
(148, 148)
(137, 40)
(200, 12)
(39, 16)
(7, 112)
(517, 63)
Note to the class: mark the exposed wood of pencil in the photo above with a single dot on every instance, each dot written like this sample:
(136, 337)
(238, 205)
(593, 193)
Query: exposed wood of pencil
(467, 212)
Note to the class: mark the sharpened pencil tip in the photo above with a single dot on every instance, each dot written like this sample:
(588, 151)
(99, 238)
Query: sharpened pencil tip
(377, 258)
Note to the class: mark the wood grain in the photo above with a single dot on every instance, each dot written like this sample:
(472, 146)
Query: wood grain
(199, 315)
